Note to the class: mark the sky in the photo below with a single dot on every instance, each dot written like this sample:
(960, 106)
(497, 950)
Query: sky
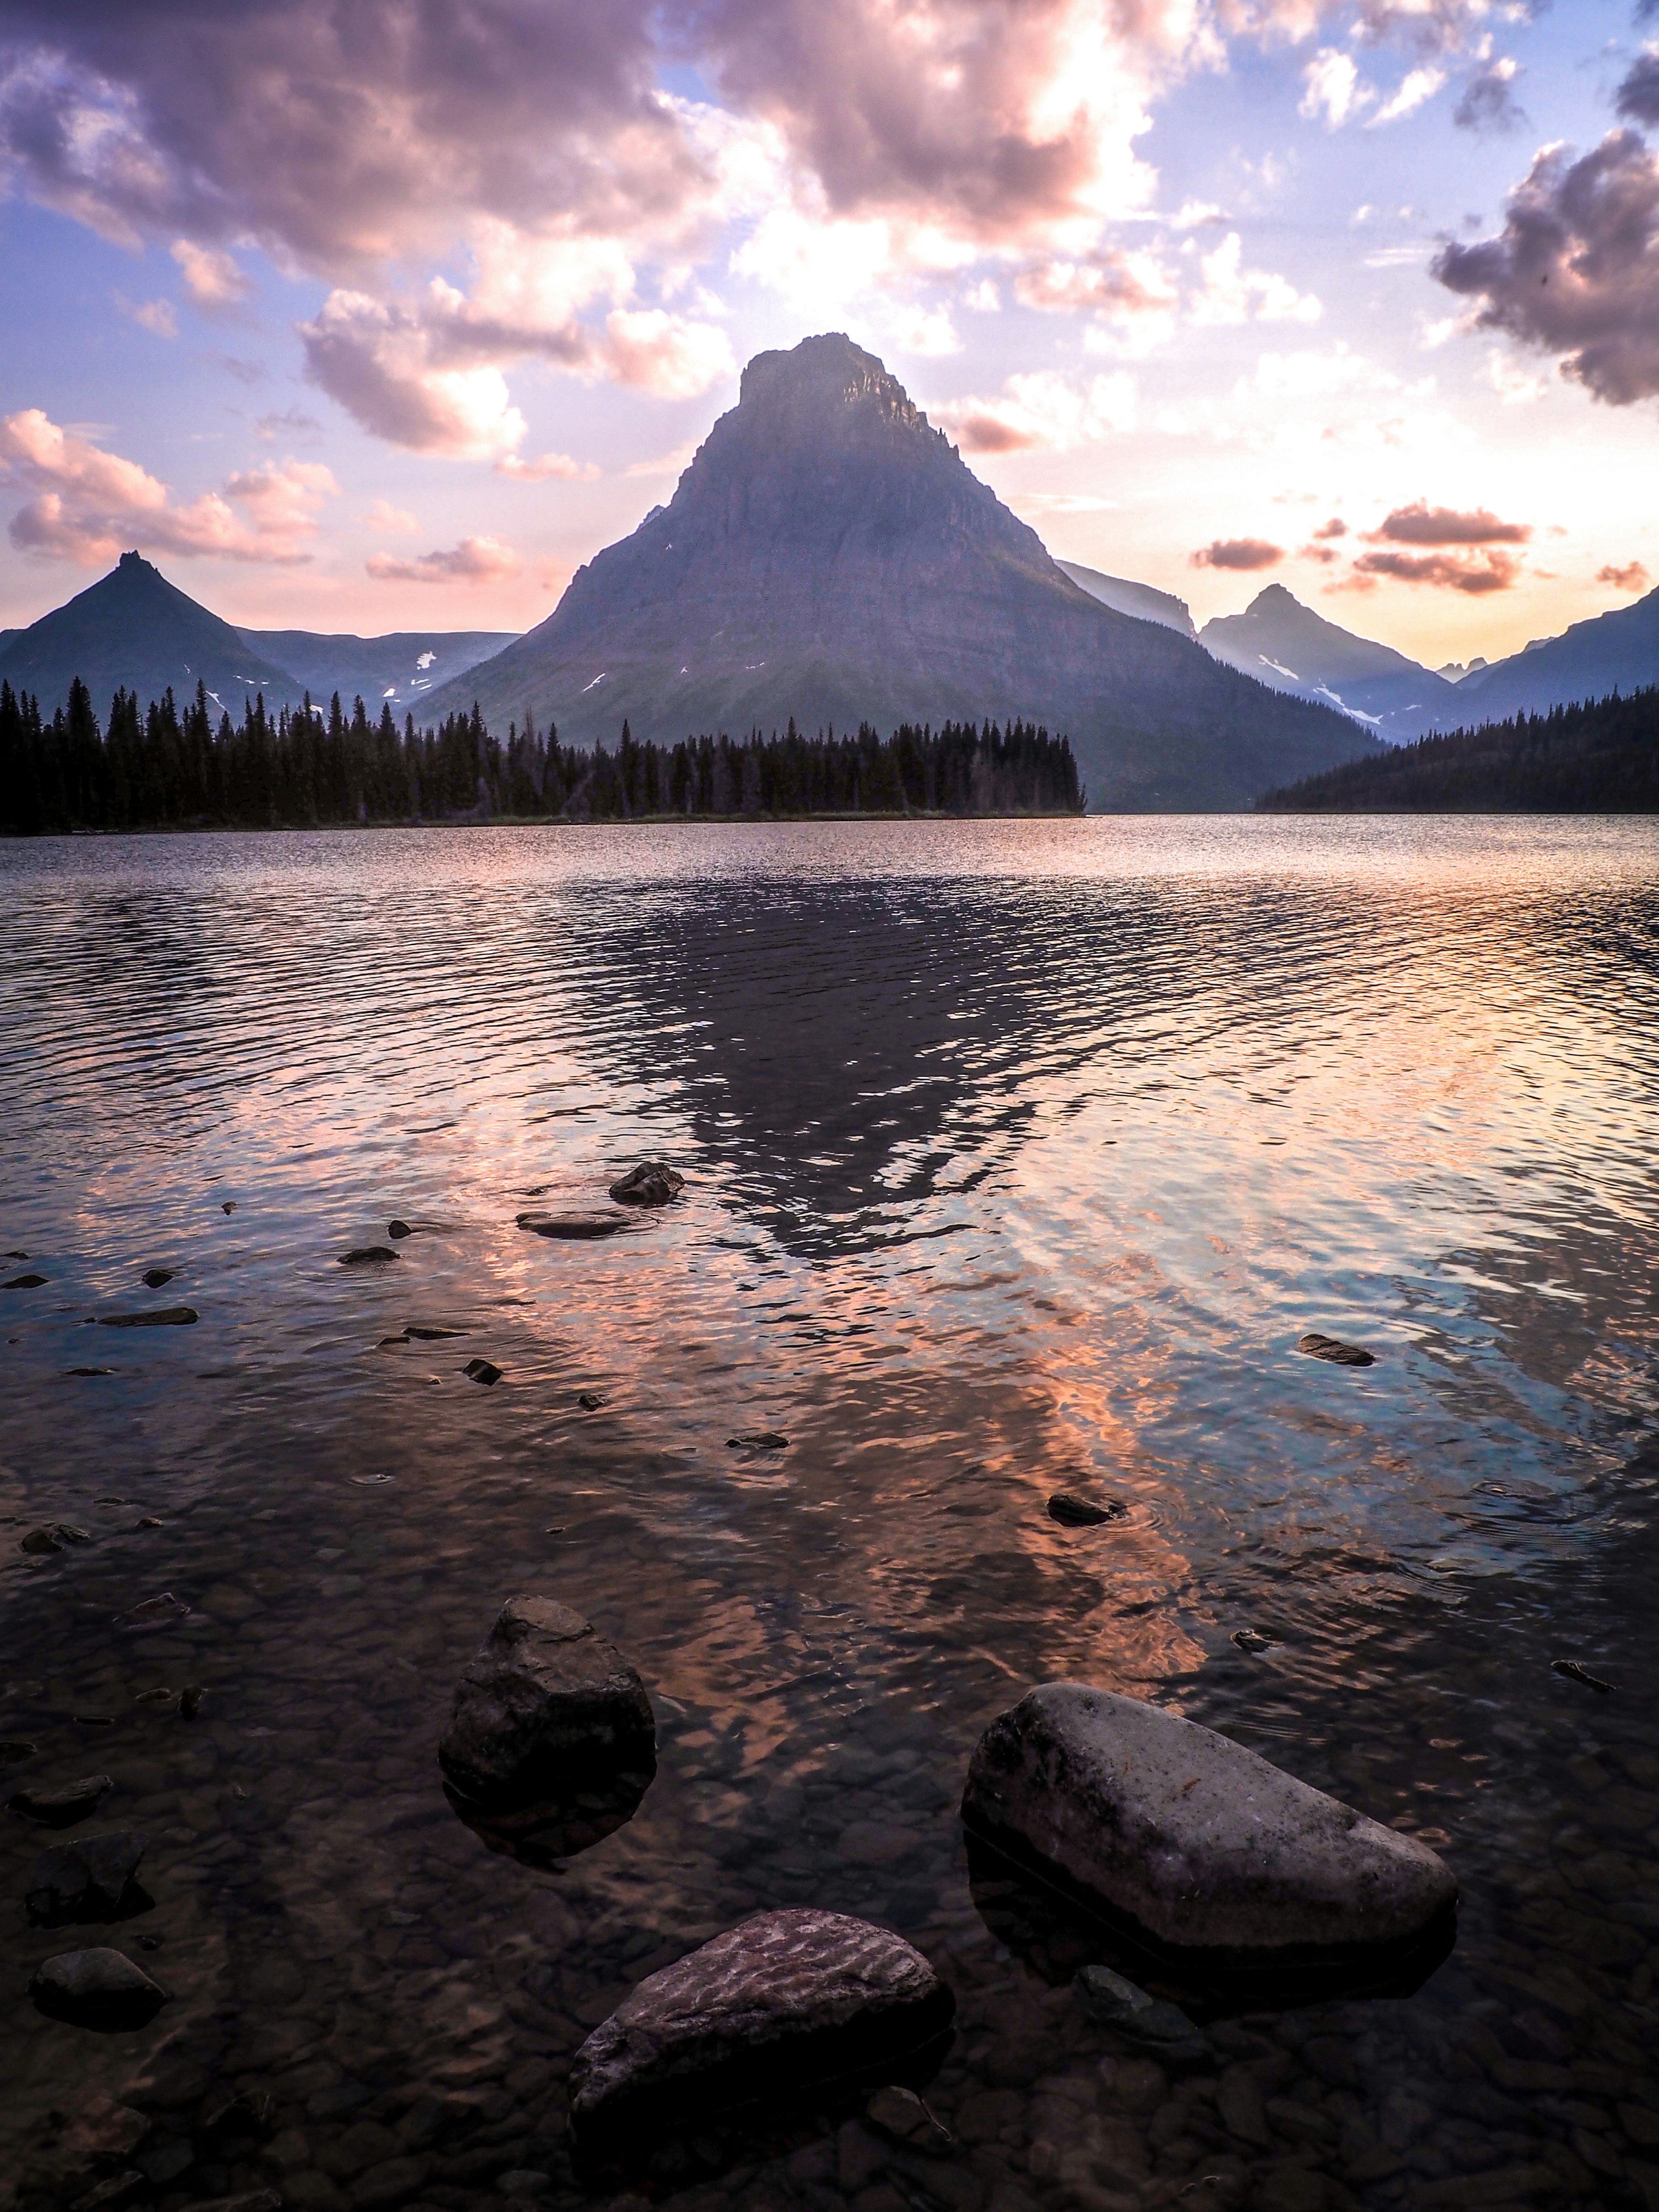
(378, 315)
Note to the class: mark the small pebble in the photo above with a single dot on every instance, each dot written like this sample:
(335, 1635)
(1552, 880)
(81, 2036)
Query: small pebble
(227, 1205)
(189, 1698)
(589, 1401)
(1252, 1639)
(154, 1277)
(400, 1229)
(483, 1371)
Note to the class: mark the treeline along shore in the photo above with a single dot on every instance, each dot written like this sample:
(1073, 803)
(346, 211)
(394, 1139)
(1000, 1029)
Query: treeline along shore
(159, 767)
(1599, 757)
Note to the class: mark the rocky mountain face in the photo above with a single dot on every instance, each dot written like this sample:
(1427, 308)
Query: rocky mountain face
(133, 629)
(1611, 652)
(828, 554)
(1143, 601)
(1288, 646)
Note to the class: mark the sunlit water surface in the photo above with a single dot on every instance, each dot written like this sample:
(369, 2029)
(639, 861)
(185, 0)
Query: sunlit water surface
(1016, 1156)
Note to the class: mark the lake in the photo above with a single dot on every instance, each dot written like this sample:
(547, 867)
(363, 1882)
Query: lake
(1017, 1155)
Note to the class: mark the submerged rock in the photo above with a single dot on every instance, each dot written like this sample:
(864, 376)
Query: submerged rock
(154, 1277)
(1075, 1508)
(546, 1700)
(1252, 1639)
(227, 1205)
(39, 1541)
(162, 1317)
(483, 1371)
(575, 1227)
(63, 1807)
(758, 1440)
(23, 1283)
(86, 1880)
(651, 1183)
(14, 1750)
(367, 1256)
(1576, 1672)
(156, 1611)
(787, 2001)
(96, 1989)
(1200, 1844)
(589, 1401)
(429, 1331)
(1123, 2006)
(1333, 1348)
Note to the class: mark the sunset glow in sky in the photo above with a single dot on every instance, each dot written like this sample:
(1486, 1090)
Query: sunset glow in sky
(368, 315)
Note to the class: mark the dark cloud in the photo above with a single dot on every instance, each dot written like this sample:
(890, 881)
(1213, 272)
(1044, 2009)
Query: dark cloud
(1493, 570)
(1633, 577)
(1420, 524)
(339, 132)
(1488, 102)
(1238, 553)
(1576, 269)
(1638, 95)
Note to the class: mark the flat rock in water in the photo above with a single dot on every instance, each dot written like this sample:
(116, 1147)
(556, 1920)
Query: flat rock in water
(162, 1317)
(483, 1371)
(1333, 1348)
(23, 1283)
(546, 1700)
(651, 1183)
(589, 1401)
(576, 1228)
(429, 1331)
(156, 1611)
(1199, 1842)
(154, 1277)
(39, 1541)
(787, 2001)
(86, 1878)
(1123, 2006)
(14, 1750)
(1075, 1508)
(96, 1989)
(63, 1807)
(758, 1440)
(367, 1256)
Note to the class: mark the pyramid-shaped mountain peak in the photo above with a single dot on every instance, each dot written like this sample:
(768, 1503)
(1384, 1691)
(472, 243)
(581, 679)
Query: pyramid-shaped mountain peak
(829, 555)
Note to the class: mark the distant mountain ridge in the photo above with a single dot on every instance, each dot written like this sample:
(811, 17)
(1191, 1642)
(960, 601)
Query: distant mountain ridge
(403, 666)
(829, 555)
(1617, 651)
(133, 630)
(1289, 645)
(1142, 601)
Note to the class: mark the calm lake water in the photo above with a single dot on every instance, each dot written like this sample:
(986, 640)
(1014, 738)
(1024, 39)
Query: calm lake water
(1016, 1155)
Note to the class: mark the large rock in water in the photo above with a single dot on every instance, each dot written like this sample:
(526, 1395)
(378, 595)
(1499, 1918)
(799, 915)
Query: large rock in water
(96, 1989)
(1200, 1844)
(785, 2001)
(86, 1880)
(545, 1702)
(829, 555)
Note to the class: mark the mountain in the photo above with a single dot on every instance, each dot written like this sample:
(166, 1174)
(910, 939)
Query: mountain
(1611, 652)
(402, 666)
(1455, 670)
(1290, 646)
(134, 628)
(1139, 600)
(829, 555)
(1599, 758)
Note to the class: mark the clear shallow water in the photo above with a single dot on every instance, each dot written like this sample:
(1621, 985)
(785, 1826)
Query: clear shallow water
(1017, 1154)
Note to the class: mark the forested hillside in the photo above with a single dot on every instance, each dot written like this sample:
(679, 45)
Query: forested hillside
(1599, 757)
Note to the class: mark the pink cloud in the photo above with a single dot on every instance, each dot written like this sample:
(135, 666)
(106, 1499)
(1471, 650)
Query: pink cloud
(87, 504)
(474, 561)
(1245, 553)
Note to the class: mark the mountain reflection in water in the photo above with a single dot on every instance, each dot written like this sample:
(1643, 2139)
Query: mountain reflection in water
(1018, 1156)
